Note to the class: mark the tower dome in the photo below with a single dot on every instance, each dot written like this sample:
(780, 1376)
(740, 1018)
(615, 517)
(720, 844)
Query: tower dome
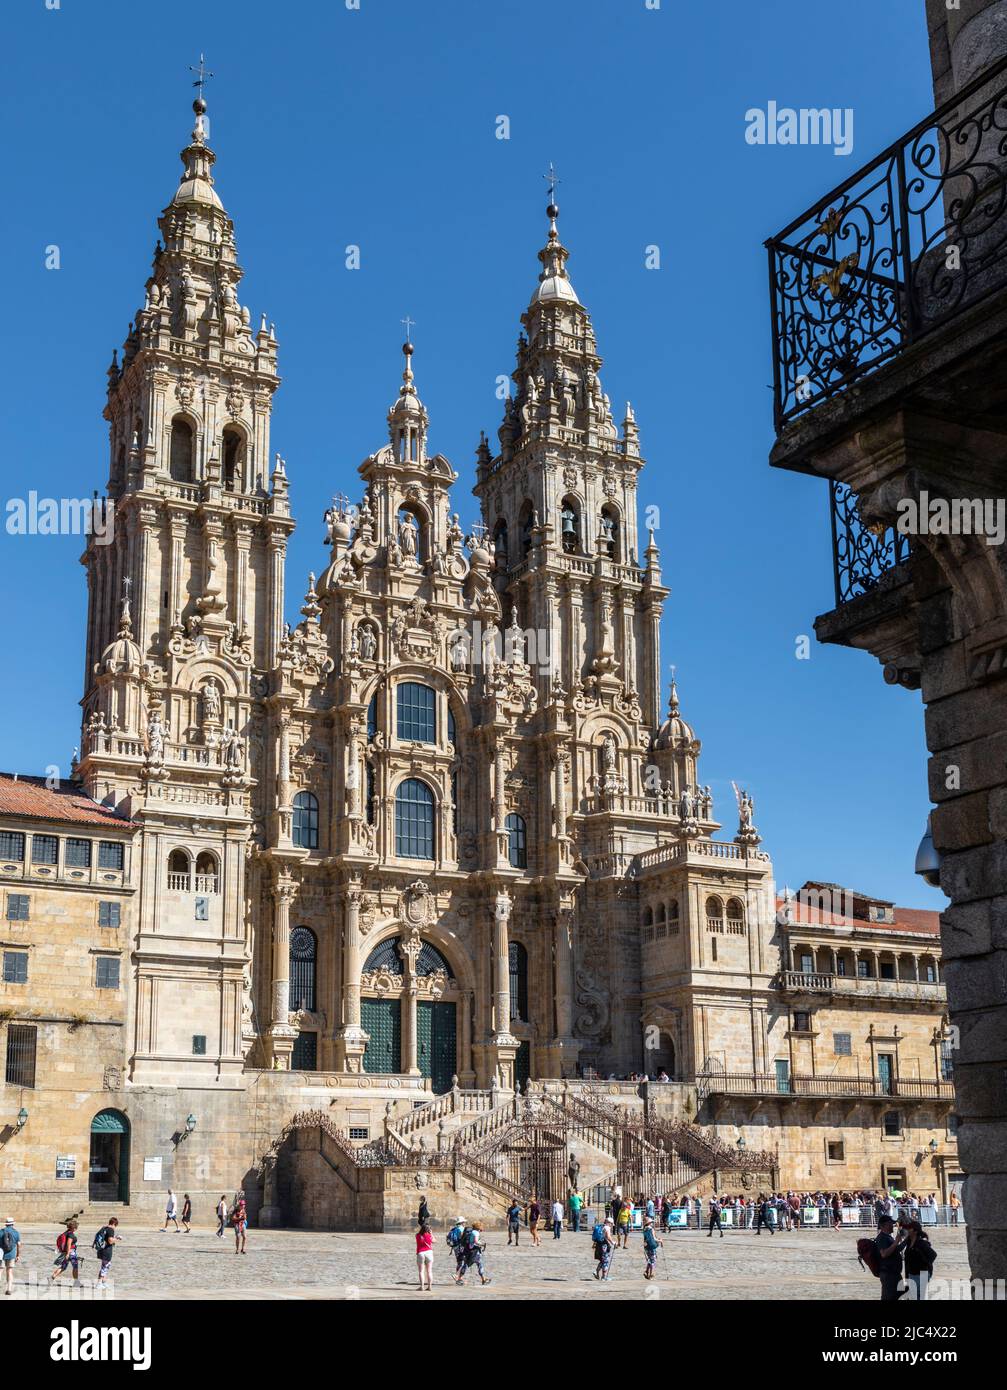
(674, 732)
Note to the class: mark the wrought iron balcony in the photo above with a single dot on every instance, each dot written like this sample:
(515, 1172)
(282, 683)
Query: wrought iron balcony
(899, 249)
(841, 1087)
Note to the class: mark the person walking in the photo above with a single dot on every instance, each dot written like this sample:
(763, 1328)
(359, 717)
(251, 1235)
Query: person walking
(715, 1217)
(473, 1248)
(534, 1217)
(425, 1256)
(576, 1202)
(557, 1219)
(186, 1213)
(104, 1243)
(456, 1242)
(66, 1253)
(171, 1212)
(423, 1217)
(954, 1204)
(765, 1216)
(652, 1242)
(10, 1248)
(239, 1220)
(623, 1223)
(221, 1216)
(603, 1240)
(514, 1222)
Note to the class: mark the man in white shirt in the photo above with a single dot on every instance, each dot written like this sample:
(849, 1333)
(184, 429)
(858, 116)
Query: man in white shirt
(557, 1219)
(171, 1211)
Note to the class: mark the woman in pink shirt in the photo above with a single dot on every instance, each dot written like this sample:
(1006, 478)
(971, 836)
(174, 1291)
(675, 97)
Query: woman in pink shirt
(425, 1256)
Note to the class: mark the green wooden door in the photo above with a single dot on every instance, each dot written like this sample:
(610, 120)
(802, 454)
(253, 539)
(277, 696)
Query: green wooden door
(382, 1019)
(435, 1042)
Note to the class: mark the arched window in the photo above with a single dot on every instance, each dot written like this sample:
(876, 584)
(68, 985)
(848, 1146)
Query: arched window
(501, 545)
(527, 522)
(648, 917)
(673, 917)
(431, 962)
(714, 915)
(182, 453)
(517, 841)
(234, 460)
(416, 713)
(372, 717)
(414, 820)
(454, 802)
(518, 961)
(303, 955)
(570, 527)
(608, 535)
(735, 917)
(452, 728)
(178, 871)
(370, 810)
(206, 872)
(661, 922)
(306, 821)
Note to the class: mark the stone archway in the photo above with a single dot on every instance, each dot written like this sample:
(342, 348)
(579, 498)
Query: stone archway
(414, 1011)
(108, 1161)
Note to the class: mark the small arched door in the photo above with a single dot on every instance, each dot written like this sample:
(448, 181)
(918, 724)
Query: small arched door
(108, 1164)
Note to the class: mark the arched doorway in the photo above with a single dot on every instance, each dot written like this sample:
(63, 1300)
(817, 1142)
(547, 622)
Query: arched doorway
(108, 1165)
(409, 1009)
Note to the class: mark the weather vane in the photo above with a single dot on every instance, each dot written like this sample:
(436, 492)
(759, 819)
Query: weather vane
(204, 76)
(552, 179)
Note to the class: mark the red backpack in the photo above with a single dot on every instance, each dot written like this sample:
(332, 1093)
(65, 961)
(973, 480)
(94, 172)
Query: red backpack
(867, 1254)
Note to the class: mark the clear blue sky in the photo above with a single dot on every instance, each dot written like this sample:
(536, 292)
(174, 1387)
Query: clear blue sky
(377, 127)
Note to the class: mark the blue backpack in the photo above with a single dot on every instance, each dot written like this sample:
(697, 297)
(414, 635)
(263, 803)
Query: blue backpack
(598, 1234)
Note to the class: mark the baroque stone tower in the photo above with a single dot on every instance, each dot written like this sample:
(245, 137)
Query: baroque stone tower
(185, 611)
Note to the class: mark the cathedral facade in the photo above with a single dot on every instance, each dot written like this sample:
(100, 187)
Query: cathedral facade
(442, 835)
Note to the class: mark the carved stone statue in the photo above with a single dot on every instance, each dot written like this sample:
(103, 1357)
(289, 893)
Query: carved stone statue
(211, 701)
(368, 642)
(573, 1171)
(609, 753)
(407, 537)
(156, 734)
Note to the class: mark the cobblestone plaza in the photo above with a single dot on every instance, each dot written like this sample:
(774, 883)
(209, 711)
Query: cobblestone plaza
(287, 1265)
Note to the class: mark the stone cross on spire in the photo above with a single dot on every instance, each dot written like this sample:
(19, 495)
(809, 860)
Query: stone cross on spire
(410, 325)
(552, 179)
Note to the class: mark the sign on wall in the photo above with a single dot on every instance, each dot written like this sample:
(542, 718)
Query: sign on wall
(66, 1167)
(152, 1169)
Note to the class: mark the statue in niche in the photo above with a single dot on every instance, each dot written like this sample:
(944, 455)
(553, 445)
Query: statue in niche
(211, 702)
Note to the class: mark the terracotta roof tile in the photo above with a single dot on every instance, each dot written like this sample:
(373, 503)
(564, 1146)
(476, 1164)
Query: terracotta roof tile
(29, 796)
(907, 919)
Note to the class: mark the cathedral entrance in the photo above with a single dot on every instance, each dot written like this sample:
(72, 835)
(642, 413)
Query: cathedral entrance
(437, 1042)
(382, 1020)
(108, 1165)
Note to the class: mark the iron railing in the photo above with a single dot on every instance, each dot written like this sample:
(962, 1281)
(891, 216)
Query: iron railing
(793, 1086)
(902, 246)
(861, 554)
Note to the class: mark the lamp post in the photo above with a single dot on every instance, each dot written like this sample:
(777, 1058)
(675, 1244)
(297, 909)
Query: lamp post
(22, 1120)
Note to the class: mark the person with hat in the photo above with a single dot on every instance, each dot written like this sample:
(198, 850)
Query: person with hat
(456, 1240)
(10, 1248)
(652, 1242)
(890, 1253)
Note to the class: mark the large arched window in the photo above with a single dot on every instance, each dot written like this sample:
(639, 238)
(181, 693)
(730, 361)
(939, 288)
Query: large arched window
(370, 810)
(570, 527)
(234, 460)
(714, 915)
(179, 868)
(735, 917)
(416, 720)
(517, 841)
(306, 821)
(608, 535)
(206, 872)
(303, 955)
(501, 545)
(414, 820)
(182, 452)
(518, 961)
(372, 717)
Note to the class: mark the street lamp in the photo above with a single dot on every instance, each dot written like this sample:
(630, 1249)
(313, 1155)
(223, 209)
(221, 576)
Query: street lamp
(928, 861)
(934, 1146)
(741, 1141)
(190, 1123)
(22, 1120)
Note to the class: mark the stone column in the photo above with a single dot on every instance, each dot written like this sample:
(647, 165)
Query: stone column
(409, 949)
(559, 791)
(351, 1040)
(501, 964)
(563, 1048)
(281, 1034)
(274, 602)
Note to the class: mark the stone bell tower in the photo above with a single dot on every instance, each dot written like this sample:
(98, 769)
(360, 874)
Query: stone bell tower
(185, 612)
